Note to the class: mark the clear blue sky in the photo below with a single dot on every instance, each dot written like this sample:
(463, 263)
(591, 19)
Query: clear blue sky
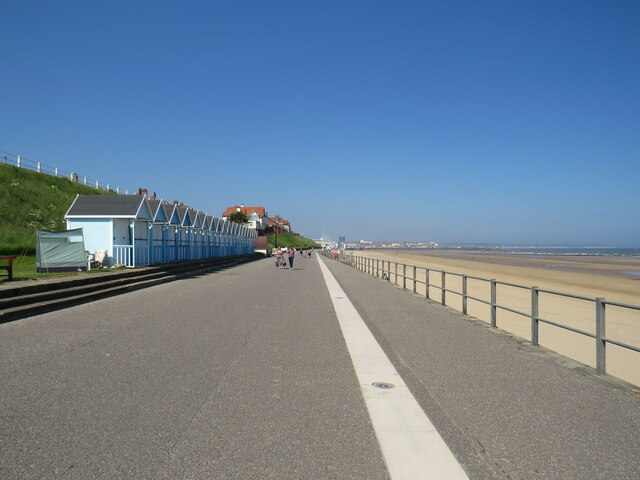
(504, 122)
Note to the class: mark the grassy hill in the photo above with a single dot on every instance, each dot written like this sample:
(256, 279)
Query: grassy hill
(290, 240)
(31, 201)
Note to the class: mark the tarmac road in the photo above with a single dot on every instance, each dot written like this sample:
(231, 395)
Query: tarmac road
(244, 373)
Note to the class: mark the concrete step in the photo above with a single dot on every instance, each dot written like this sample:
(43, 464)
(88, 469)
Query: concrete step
(76, 292)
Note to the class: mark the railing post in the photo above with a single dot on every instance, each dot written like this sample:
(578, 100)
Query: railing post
(395, 278)
(19, 161)
(39, 169)
(443, 290)
(56, 171)
(133, 236)
(493, 303)
(534, 316)
(404, 276)
(389, 271)
(464, 294)
(601, 343)
(415, 284)
(426, 281)
(377, 267)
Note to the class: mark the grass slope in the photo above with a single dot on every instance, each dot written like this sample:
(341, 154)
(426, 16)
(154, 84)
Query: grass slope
(290, 240)
(31, 201)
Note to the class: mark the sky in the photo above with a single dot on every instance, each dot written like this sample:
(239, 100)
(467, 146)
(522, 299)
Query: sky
(495, 122)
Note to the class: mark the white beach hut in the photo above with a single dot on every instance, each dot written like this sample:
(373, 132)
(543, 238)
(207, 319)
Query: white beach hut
(119, 224)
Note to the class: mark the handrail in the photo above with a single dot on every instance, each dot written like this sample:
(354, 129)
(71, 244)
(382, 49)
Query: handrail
(376, 267)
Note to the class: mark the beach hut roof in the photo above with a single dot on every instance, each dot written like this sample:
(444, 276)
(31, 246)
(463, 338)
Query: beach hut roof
(157, 212)
(196, 218)
(171, 213)
(185, 217)
(109, 206)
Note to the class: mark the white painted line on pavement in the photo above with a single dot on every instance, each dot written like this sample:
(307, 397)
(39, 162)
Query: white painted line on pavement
(410, 444)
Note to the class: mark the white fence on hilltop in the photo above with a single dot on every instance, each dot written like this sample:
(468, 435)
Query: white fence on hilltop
(22, 162)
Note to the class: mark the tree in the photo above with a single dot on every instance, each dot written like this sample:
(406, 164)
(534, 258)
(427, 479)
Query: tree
(238, 217)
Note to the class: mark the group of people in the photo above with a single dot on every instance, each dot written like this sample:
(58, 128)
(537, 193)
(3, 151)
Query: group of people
(290, 253)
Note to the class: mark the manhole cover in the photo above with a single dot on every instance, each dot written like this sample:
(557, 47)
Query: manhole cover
(383, 385)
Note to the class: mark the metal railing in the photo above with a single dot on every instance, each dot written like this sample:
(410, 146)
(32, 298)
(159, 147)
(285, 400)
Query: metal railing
(383, 269)
(22, 162)
(123, 255)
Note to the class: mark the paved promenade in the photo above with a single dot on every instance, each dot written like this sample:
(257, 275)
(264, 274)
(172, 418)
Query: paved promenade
(245, 374)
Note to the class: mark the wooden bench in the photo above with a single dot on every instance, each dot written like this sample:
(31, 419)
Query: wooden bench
(9, 266)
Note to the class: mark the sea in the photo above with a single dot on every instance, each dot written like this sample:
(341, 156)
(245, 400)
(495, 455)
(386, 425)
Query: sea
(568, 251)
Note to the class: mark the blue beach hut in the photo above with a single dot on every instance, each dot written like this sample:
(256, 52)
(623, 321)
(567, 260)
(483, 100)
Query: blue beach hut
(215, 225)
(173, 229)
(184, 233)
(197, 239)
(207, 236)
(159, 232)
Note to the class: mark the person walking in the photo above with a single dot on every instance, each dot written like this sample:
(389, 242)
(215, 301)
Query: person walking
(291, 253)
(279, 259)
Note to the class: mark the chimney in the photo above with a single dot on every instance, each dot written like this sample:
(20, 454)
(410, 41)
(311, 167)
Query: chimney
(152, 196)
(143, 191)
(175, 202)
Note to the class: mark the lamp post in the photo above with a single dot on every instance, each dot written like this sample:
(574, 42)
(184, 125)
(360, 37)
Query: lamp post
(276, 229)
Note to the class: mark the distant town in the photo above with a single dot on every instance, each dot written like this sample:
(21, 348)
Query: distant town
(367, 244)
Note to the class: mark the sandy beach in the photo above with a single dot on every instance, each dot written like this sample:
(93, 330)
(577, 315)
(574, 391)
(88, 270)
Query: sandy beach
(613, 278)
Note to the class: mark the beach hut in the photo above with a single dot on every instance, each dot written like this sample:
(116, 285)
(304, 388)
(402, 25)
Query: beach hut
(173, 231)
(197, 239)
(208, 236)
(119, 224)
(224, 238)
(184, 234)
(215, 225)
(159, 232)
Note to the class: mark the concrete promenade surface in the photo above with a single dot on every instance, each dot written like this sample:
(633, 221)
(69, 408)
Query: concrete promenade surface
(244, 374)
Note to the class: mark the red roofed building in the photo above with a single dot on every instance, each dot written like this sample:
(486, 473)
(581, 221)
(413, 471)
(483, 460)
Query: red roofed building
(279, 224)
(257, 216)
